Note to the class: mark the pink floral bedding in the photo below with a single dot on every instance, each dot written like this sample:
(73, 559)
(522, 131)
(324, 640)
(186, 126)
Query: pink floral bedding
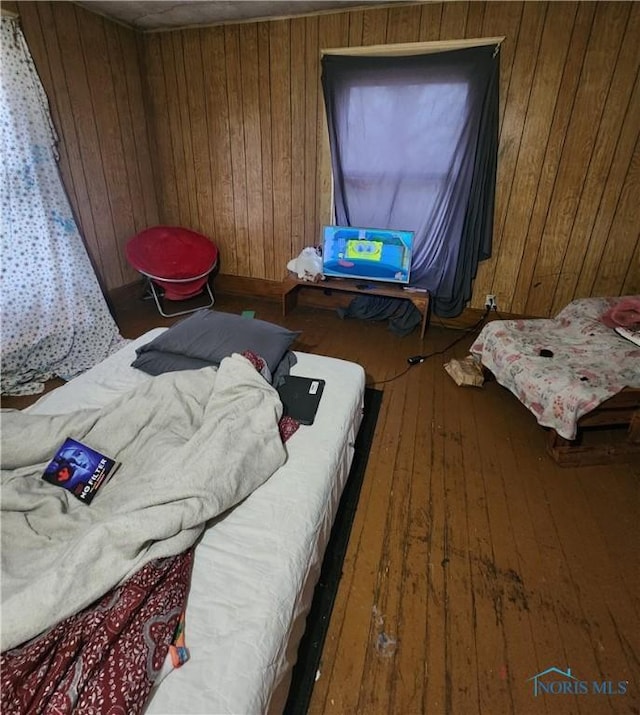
(560, 368)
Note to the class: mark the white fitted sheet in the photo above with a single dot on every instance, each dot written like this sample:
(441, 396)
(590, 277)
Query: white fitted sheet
(255, 567)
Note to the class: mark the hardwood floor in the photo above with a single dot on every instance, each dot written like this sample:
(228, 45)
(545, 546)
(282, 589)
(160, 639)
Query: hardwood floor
(475, 562)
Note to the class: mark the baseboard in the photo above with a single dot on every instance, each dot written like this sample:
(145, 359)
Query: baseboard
(123, 295)
(248, 287)
(272, 291)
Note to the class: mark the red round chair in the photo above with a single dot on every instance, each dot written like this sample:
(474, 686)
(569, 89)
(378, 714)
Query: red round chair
(177, 260)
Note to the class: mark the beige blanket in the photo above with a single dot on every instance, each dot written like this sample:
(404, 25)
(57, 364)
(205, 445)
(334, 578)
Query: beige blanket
(192, 444)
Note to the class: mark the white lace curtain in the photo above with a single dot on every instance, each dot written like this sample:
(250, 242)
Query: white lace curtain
(54, 318)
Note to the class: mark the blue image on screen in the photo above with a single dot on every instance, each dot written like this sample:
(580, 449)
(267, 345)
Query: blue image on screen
(367, 253)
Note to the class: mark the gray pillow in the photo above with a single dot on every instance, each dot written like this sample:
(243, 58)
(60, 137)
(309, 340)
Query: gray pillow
(208, 336)
(157, 362)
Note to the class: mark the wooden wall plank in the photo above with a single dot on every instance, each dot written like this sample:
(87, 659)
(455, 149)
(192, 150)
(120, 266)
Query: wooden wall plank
(133, 57)
(504, 19)
(454, 20)
(356, 22)
(545, 85)
(75, 72)
(264, 52)
(157, 104)
(547, 182)
(374, 28)
(215, 84)
(475, 20)
(173, 133)
(204, 220)
(623, 236)
(430, 19)
(107, 125)
(596, 75)
(280, 59)
(134, 62)
(609, 203)
(616, 107)
(403, 24)
(298, 126)
(132, 187)
(517, 103)
(184, 141)
(233, 59)
(631, 284)
(313, 106)
(230, 137)
(253, 152)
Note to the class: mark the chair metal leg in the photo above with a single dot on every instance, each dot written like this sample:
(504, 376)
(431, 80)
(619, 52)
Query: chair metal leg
(157, 299)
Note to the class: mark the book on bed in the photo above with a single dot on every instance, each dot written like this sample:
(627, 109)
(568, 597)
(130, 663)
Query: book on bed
(80, 469)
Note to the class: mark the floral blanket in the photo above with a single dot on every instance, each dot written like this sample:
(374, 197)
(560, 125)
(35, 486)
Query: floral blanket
(107, 657)
(564, 367)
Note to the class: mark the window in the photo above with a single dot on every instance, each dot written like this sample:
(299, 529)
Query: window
(414, 147)
(380, 116)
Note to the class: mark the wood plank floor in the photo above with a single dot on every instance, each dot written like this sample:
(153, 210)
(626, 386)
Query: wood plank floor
(474, 561)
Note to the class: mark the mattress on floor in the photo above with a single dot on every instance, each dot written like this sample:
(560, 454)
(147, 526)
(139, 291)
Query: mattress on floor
(255, 567)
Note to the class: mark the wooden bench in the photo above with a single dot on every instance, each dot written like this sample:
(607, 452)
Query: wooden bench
(291, 287)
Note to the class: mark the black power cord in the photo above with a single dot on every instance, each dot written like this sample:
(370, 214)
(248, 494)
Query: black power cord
(389, 379)
(417, 359)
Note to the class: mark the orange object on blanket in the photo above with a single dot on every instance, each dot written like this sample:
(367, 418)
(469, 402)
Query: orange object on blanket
(624, 314)
(178, 650)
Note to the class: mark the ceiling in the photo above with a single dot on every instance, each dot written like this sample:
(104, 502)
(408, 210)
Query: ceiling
(165, 14)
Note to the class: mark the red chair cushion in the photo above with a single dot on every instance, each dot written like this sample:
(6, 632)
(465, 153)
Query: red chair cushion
(171, 252)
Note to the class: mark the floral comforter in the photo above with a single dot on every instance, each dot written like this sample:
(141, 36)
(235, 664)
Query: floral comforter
(560, 368)
(107, 657)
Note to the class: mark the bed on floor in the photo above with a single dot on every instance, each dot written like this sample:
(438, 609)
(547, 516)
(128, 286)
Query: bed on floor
(575, 374)
(253, 566)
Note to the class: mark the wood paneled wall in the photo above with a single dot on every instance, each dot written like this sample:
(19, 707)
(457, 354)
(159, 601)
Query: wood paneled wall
(239, 149)
(90, 71)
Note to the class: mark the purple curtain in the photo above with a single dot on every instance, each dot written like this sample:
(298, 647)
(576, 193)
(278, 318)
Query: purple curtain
(414, 147)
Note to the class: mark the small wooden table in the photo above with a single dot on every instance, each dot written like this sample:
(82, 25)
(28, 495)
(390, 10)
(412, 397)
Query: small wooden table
(291, 286)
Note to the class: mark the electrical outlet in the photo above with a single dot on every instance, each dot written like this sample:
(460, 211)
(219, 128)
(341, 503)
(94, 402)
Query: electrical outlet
(490, 302)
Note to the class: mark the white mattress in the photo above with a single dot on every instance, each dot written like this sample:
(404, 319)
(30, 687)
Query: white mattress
(255, 568)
